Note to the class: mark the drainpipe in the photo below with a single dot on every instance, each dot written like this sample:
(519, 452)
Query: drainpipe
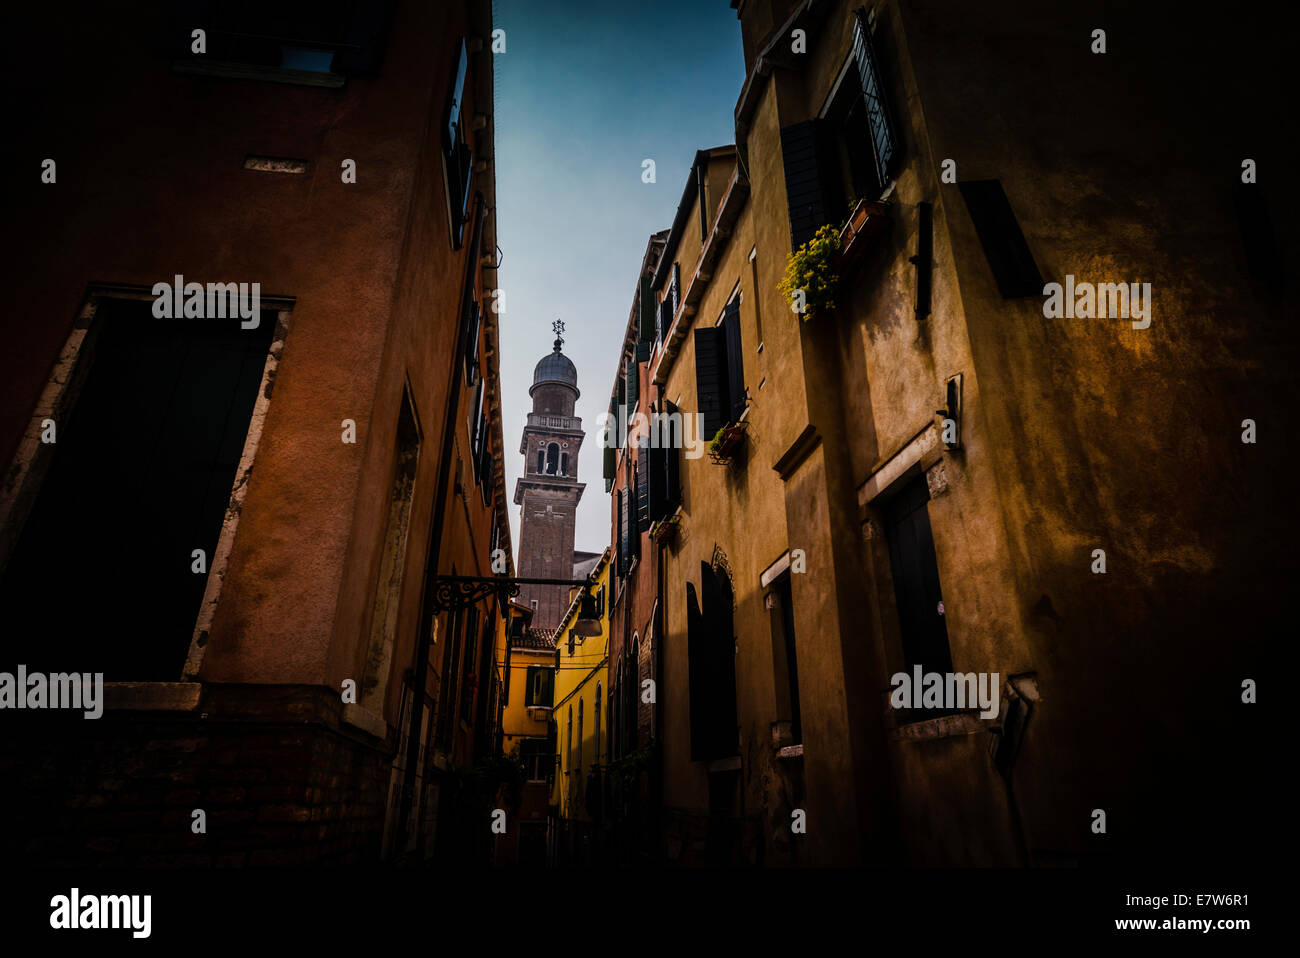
(433, 550)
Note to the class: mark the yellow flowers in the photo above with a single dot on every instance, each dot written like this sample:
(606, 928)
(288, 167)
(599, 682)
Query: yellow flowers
(809, 281)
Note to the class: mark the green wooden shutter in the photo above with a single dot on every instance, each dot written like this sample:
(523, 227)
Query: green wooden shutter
(711, 378)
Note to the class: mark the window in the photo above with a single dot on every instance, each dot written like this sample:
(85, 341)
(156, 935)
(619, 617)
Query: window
(541, 460)
(596, 716)
(473, 327)
(133, 512)
(999, 234)
(753, 285)
(316, 44)
(540, 685)
(580, 736)
(711, 668)
(719, 371)
(568, 747)
(663, 465)
(915, 571)
(467, 678)
(447, 684)
(573, 638)
(392, 564)
(785, 661)
(700, 176)
(848, 152)
(552, 458)
(457, 157)
(564, 463)
(537, 758)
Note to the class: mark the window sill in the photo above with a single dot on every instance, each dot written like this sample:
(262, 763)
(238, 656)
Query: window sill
(251, 71)
(152, 696)
(943, 726)
(360, 717)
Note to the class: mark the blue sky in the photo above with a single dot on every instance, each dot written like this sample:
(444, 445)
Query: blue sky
(584, 93)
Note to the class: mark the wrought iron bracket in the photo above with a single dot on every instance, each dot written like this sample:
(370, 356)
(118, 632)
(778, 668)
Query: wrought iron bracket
(461, 591)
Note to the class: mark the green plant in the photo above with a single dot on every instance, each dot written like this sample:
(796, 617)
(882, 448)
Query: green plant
(716, 442)
(810, 278)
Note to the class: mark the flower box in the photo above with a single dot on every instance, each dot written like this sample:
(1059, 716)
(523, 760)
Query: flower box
(723, 446)
(868, 219)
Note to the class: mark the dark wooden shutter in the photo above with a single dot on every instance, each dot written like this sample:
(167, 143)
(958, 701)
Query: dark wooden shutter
(607, 456)
(672, 470)
(620, 404)
(633, 376)
(735, 361)
(625, 537)
(720, 640)
(646, 311)
(675, 290)
(806, 186)
(642, 473)
(999, 233)
(655, 476)
(711, 378)
(473, 326)
(882, 128)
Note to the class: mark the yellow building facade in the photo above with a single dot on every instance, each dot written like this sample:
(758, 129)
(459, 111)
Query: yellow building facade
(581, 740)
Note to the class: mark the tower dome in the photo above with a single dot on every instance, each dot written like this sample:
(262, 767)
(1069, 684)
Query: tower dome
(555, 367)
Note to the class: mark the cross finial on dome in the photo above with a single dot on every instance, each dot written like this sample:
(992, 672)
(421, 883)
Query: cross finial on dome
(558, 327)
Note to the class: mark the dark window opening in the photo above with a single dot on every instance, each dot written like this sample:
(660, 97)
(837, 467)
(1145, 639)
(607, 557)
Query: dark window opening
(785, 662)
(141, 476)
(552, 458)
(915, 571)
(335, 37)
(711, 655)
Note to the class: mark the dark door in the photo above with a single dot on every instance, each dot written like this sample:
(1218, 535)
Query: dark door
(916, 579)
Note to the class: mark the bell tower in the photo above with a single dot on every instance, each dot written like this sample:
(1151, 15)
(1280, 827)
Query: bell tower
(548, 491)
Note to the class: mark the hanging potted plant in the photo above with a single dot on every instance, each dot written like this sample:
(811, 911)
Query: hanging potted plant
(810, 277)
(664, 529)
(725, 441)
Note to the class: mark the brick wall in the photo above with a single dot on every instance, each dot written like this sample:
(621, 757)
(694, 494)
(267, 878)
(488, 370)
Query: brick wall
(280, 781)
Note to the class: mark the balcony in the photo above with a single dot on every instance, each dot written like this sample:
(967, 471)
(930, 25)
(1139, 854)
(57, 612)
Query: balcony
(540, 421)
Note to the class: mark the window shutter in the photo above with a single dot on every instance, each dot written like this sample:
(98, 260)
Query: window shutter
(473, 325)
(675, 290)
(608, 454)
(882, 128)
(451, 127)
(620, 405)
(642, 472)
(656, 473)
(633, 386)
(646, 311)
(624, 549)
(735, 361)
(1000, 236)
(711, 378)
(665, 320)
(806, 187)
(672, 471)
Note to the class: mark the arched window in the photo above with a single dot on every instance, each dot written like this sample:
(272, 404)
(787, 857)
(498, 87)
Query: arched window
(541, 460)
(564, 463)
(552, 458)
